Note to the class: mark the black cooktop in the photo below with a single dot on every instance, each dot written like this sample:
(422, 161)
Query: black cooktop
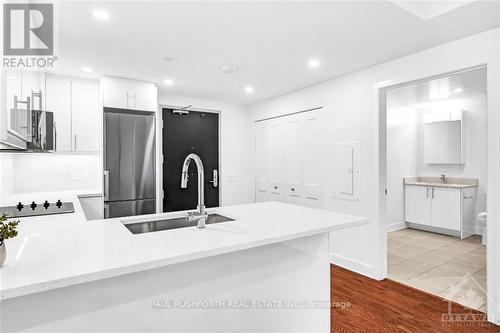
(37, 209)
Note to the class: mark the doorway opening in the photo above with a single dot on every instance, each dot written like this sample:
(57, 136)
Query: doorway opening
(185, 132)
(436, 178)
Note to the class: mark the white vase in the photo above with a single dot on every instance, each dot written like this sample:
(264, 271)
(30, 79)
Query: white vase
(3, 254)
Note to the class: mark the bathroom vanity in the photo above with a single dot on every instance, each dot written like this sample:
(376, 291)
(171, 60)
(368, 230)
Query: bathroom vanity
(445, 207)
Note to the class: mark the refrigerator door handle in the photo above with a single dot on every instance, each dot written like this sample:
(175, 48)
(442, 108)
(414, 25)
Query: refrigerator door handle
(106, 211)
(106, 185)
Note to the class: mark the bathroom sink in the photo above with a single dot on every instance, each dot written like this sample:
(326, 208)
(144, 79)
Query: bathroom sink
(175, 223)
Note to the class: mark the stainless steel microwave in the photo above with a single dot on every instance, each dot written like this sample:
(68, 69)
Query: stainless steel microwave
(42, 131)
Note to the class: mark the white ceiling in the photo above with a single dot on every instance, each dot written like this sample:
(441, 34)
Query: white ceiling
(270, 42)
(453, 86)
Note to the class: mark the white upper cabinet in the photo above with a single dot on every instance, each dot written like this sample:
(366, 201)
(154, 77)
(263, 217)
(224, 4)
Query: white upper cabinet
(15, 120)
(75, 104)
(129, 94)
(58, 101)
(444, 140)
(86, 127)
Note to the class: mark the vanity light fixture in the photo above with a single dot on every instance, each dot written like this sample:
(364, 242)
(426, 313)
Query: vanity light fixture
(101, 14)
(248, 90)
(87, 69)
(457, 90)
(168, 82)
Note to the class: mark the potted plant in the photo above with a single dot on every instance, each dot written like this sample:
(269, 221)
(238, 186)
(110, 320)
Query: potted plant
(7, 230)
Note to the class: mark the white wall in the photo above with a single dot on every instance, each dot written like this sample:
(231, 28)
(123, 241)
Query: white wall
(351, 114)
(236, 137)
(402, 160)
(405, 149)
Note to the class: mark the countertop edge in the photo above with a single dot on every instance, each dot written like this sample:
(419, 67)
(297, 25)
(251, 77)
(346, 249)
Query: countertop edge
(458, 186)
(119, 271)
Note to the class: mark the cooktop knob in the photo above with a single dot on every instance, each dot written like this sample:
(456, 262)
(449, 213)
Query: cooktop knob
(33, 205)
(20, 206)
(59, 203)
(46, 204)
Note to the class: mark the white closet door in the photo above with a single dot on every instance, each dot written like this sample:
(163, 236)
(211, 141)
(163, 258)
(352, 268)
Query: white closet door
(58, 100)
(313, 164)
(262, 162)
(277, 159)
(294, 159)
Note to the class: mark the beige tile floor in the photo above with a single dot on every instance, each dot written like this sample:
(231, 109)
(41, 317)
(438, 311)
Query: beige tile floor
(442, 265)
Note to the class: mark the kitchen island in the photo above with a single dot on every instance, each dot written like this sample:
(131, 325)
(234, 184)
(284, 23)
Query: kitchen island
(268, 270)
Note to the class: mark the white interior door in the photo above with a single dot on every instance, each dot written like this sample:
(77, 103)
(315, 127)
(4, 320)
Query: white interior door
(418, 205)
(277, 159)
(294, 159)
(313, 160)
(262, 171)
(58, 101)
(445, 208)
(85, 116)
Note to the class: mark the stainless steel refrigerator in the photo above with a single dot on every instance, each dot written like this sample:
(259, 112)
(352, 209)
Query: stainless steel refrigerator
(129, 163)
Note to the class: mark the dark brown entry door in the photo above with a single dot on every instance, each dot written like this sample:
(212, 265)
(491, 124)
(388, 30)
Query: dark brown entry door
(195, 132)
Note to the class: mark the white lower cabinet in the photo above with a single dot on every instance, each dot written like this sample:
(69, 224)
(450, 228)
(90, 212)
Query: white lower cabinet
(440, 209)
(289, 163)
(417, 205)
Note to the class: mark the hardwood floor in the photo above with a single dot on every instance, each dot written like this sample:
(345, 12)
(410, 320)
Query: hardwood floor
(365, 305)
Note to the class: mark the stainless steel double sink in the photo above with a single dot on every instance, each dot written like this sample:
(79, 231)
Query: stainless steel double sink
(167, 224)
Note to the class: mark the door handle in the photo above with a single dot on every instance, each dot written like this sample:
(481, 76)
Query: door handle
(427, 192)
(215, 178)
(433, 193)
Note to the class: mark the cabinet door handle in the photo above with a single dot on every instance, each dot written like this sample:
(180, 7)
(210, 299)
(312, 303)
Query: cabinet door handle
(55, 136)
(433, 193)
(468, 196)
(427, 194)
(75, 141)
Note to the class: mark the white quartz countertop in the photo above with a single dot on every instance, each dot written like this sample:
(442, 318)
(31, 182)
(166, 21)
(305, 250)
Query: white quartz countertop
(63, 250)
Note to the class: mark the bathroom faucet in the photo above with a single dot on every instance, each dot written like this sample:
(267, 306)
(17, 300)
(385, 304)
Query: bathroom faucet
(200, 215)
(443, 178)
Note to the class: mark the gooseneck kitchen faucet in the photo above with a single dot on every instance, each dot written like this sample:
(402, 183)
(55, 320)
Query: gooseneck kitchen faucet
(200, 215)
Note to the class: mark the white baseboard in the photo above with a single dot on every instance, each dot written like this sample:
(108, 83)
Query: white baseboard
(353, 265)
(396, 226)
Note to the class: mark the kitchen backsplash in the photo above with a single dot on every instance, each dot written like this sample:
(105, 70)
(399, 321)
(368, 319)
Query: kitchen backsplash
(25, 173)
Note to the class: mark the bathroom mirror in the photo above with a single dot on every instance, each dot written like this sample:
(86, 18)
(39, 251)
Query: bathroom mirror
(443, 142)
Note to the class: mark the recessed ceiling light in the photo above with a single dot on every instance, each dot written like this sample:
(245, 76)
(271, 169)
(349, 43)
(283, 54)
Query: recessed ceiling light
(168, 59)
(101, 14)
(168, 82)
(458, 90)
(313, 63)
(229, 69)
(87, 69)
(248, 89)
